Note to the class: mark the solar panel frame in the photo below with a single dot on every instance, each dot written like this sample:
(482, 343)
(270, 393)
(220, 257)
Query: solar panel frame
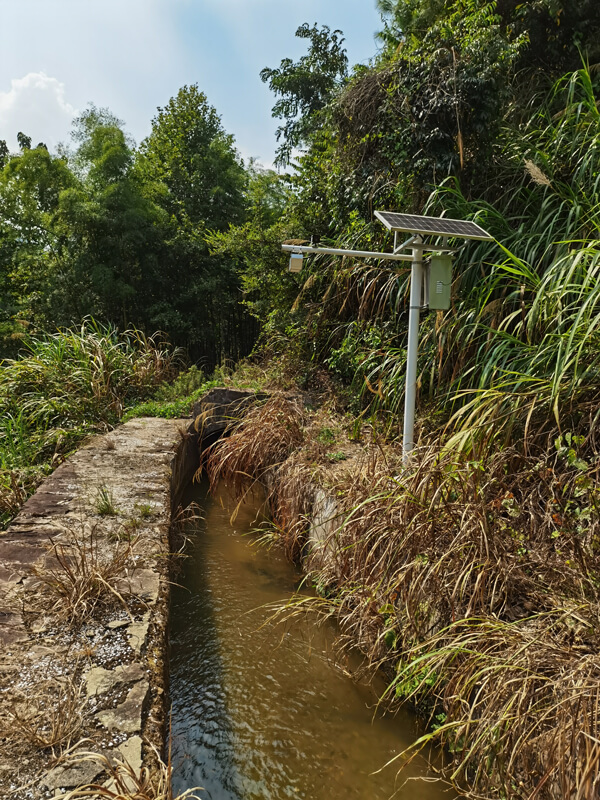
(432, 226)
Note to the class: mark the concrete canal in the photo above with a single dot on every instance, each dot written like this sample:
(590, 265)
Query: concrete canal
(260, 710)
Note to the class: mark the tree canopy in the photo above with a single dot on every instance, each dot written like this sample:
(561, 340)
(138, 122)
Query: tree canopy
(305, 87)
(118, 232)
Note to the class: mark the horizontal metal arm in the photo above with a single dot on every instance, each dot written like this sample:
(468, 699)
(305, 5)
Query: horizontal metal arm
(333, 251)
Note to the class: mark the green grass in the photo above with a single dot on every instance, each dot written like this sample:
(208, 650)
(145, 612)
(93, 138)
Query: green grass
(145, 510)
(174, 400)
(338, 456)
(66, 385)
(104, 503)
(326, 435)
(169, 409)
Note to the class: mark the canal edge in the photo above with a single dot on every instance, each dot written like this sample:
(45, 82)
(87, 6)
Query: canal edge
(117, 671)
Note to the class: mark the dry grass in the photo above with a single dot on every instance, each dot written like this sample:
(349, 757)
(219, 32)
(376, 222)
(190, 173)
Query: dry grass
(257, 444)
(475, 583)
(516, 707)
(181, 523)
(83, 574)
(49, 718)
(285, 449)
(126, 783)
(12, 493)
(291, 505)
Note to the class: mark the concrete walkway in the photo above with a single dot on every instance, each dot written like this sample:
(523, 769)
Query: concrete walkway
(84, 573)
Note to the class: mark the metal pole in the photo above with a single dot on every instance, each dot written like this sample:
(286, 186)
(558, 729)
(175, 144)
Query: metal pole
(336, 251)
(416, 280)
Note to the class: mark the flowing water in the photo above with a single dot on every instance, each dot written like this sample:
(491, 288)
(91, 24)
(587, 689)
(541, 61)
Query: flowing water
(260, 711)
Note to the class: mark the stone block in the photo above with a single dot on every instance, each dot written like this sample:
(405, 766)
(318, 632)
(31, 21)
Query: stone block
(127, 716)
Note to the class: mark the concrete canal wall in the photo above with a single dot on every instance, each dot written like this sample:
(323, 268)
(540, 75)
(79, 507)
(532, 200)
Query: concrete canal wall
(85, 570)
(84, 598)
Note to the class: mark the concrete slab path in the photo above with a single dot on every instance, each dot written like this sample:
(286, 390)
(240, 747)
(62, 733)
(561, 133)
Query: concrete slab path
(80, 659)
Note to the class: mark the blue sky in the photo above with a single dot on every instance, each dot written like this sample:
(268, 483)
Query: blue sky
(131, 56)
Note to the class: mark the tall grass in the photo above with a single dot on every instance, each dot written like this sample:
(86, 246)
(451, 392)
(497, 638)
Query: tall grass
(77, 376)
(519, 352)
(517, 355)
(260, 441)
(62, 387)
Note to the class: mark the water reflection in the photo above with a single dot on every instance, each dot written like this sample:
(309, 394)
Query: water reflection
(260, 711)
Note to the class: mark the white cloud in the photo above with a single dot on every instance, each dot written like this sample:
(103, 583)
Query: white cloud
(36, 105)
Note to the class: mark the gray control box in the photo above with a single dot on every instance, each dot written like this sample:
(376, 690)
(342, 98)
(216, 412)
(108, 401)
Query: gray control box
(440, 282)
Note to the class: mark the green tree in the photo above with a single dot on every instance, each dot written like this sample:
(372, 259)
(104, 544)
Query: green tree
(267, 195)
(407, 20)
(192, 162)
(556, 30)
(558, 33)
(34, 277)
(255, 247)
(111, 227)
(23, 141)
(305, 87)
(423, 111)
(191, 170)
(4, 152)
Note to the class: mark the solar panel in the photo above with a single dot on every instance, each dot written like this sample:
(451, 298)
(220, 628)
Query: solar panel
(432, 226)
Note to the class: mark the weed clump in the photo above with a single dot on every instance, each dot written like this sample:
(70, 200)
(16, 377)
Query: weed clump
(260, 441)
(84, 574)
(105, 504)
(49, 719)
(127, 783)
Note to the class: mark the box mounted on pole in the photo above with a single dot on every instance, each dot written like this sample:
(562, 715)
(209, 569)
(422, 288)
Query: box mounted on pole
(296, 260)
(439, 281)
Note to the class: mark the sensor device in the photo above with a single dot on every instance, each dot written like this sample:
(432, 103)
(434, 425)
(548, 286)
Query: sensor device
(440, 282)
(296, 262)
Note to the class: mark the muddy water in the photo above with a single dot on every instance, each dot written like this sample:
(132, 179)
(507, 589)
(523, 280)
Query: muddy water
(260, 711)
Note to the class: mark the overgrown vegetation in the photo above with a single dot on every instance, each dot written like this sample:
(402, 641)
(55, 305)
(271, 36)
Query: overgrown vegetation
(115, 231)
(478, 587)
(69, 384)
(473, 575)
(473, 583)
